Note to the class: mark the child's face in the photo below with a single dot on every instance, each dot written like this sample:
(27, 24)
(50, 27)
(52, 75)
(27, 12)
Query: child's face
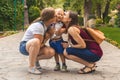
(59, 14)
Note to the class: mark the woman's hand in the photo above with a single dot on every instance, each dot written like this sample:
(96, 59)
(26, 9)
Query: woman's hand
(65, 44)
(74, 32)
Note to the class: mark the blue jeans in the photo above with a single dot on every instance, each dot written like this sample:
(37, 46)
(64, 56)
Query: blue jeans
(22, 48)
(85, 54)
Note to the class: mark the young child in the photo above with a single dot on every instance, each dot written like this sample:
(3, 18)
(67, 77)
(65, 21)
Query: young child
(56, 40)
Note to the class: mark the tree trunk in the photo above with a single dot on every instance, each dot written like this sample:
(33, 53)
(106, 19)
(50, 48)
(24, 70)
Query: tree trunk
(98, 10)
(26, 19)
(87, 10)
(105, 14)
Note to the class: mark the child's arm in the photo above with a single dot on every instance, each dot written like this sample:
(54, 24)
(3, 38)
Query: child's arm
(60, 31)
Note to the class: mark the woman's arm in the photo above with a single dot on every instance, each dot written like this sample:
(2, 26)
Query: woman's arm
(40, 37)
(75, 33)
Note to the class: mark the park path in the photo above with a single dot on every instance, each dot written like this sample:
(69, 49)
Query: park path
(13, 65)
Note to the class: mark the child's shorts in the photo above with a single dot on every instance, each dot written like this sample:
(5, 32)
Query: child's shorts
(57, 46)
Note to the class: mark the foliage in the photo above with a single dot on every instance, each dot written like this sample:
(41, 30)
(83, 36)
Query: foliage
(112, 35)
(75, 5)
(114, 3)
(34, 12)
(107, 19)
(19, 16)
(80, 20)
(8, 33)
(111, 32)
(99, 21)
(91, 17)
(109, 25)
(8, 18)
(115, 43)
(6, 15)
(7, 10)
(117, 21)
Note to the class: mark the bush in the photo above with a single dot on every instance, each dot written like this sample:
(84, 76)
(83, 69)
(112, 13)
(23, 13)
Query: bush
(99, 21)
(34, 13)
(80, 20)
(115, 43)
(117, 21)
(7, 33)
(91, 17)
(107, 19)
(109, 25)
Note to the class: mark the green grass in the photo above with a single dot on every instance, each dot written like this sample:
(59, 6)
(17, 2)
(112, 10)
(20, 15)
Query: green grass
(111, 33)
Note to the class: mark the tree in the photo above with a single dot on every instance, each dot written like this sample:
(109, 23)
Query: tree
(26, 19)
(105, 13)
(87, 10)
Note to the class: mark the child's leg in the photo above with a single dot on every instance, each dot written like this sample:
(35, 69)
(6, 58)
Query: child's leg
(56, 58)
(57, 67)
(64, 67)
(62, 59)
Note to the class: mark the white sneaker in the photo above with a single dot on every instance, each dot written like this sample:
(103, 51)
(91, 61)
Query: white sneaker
(34, 71)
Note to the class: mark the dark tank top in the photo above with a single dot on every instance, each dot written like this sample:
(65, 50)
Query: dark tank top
(91, 45)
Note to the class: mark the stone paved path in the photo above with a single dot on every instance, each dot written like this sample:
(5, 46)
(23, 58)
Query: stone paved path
(13, 65)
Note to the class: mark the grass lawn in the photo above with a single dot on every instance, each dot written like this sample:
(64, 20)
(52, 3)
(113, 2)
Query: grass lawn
(111, 33)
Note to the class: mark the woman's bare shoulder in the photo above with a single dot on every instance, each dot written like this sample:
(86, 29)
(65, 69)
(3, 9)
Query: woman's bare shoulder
(73, 29)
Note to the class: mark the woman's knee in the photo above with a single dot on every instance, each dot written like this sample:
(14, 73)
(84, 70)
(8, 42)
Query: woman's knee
(36, 42)
(33, 42)
(52, 52)
(48, 52)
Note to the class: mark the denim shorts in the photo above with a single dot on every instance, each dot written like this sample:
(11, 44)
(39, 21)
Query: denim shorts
(57, 46)
(85, 54)
(22, 48)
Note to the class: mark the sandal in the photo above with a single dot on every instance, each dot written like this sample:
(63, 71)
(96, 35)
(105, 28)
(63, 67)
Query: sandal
(87, 69)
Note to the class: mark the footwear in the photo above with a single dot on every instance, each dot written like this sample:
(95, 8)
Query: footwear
(34, 71)
(87, 69)
(38, 65)
(64, 68)
(57, 67)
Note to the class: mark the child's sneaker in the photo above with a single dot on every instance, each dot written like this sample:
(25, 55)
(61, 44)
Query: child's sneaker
(34, 71)
(64, 68)
(57, 67)
(37, 64)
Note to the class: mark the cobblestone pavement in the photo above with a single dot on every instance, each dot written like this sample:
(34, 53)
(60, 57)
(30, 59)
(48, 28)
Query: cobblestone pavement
(13, 65)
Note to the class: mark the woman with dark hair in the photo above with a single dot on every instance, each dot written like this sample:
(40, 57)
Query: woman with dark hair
(32, 41)
(81, 51)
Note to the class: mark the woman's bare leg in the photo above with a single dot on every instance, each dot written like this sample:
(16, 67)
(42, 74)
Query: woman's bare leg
(77, 59)
(33, 47)
(46, 53)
